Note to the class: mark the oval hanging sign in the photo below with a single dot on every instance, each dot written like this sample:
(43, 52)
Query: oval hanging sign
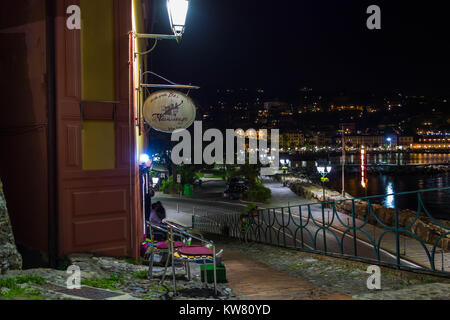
(168, 111)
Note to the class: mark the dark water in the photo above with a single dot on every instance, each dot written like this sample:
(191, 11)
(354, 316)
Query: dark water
(400, 159)
(436, 202)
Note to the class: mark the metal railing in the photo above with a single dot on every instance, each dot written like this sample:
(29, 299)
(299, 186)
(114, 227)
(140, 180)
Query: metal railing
(354, 228)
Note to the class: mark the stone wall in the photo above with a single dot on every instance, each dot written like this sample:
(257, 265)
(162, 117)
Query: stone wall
(10, 258)
(424, 227)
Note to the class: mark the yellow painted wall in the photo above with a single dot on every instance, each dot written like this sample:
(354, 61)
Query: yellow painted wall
(99, 145)
(98, 81)
(97, 47)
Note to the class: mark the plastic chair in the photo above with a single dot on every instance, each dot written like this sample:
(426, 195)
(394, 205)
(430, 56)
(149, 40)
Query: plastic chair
(160, 248)
(187, 254)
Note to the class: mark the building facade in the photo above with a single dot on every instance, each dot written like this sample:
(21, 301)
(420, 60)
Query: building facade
(369, 141)
(68, 137)
(292, 140)
(432, 142)
(405, 141)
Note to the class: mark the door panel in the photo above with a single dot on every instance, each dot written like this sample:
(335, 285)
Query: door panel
(97, 209)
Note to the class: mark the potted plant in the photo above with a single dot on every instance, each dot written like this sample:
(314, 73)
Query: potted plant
(252, 210)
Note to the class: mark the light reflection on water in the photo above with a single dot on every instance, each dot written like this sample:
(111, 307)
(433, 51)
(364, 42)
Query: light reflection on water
(400, 159)
(437, 202)
(389, 201)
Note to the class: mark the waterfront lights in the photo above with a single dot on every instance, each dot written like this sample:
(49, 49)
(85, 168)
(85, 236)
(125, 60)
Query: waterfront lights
(323, 167)
(178, 10)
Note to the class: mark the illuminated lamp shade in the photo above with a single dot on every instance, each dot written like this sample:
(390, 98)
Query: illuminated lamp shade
(178, 10)
(323, 167)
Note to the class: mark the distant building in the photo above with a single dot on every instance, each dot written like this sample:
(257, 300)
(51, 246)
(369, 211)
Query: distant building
(319, 139)
(277, 109)
(349, 128)
(292, 140)
(369, 141)
(405, 141)
(436, 142)
(346, 108)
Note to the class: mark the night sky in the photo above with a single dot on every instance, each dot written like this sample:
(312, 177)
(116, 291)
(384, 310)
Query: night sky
(324, 44)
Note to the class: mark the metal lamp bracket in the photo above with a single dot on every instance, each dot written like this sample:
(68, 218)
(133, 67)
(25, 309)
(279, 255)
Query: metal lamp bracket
(169, 85)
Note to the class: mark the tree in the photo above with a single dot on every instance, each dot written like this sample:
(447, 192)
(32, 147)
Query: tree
(250, 172)
(187, 172)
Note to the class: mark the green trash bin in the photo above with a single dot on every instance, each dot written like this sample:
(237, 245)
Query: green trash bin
(188, 190)
(221, 273)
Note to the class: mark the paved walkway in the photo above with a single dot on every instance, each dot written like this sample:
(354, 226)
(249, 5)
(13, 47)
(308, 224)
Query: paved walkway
(282, 196)
(252, 280)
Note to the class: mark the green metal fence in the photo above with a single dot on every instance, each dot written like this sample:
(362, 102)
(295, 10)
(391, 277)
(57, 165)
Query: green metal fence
(355, 228)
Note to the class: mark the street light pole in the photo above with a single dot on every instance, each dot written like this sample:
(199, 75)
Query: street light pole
(324, 168)
(323, 187)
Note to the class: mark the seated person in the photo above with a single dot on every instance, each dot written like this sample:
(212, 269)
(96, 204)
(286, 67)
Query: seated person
(157, 215)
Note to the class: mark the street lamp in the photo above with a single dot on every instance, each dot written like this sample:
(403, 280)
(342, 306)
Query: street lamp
(178, 10)
(144, 159)
(324, 168)
(390, 143)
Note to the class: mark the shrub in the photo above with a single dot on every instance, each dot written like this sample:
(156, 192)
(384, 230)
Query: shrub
(166, 186)
(259, 193)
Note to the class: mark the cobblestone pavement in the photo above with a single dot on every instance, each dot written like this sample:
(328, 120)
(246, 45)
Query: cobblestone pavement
(342, 276)
(254, 271)
(118, 275)
(253, 280)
